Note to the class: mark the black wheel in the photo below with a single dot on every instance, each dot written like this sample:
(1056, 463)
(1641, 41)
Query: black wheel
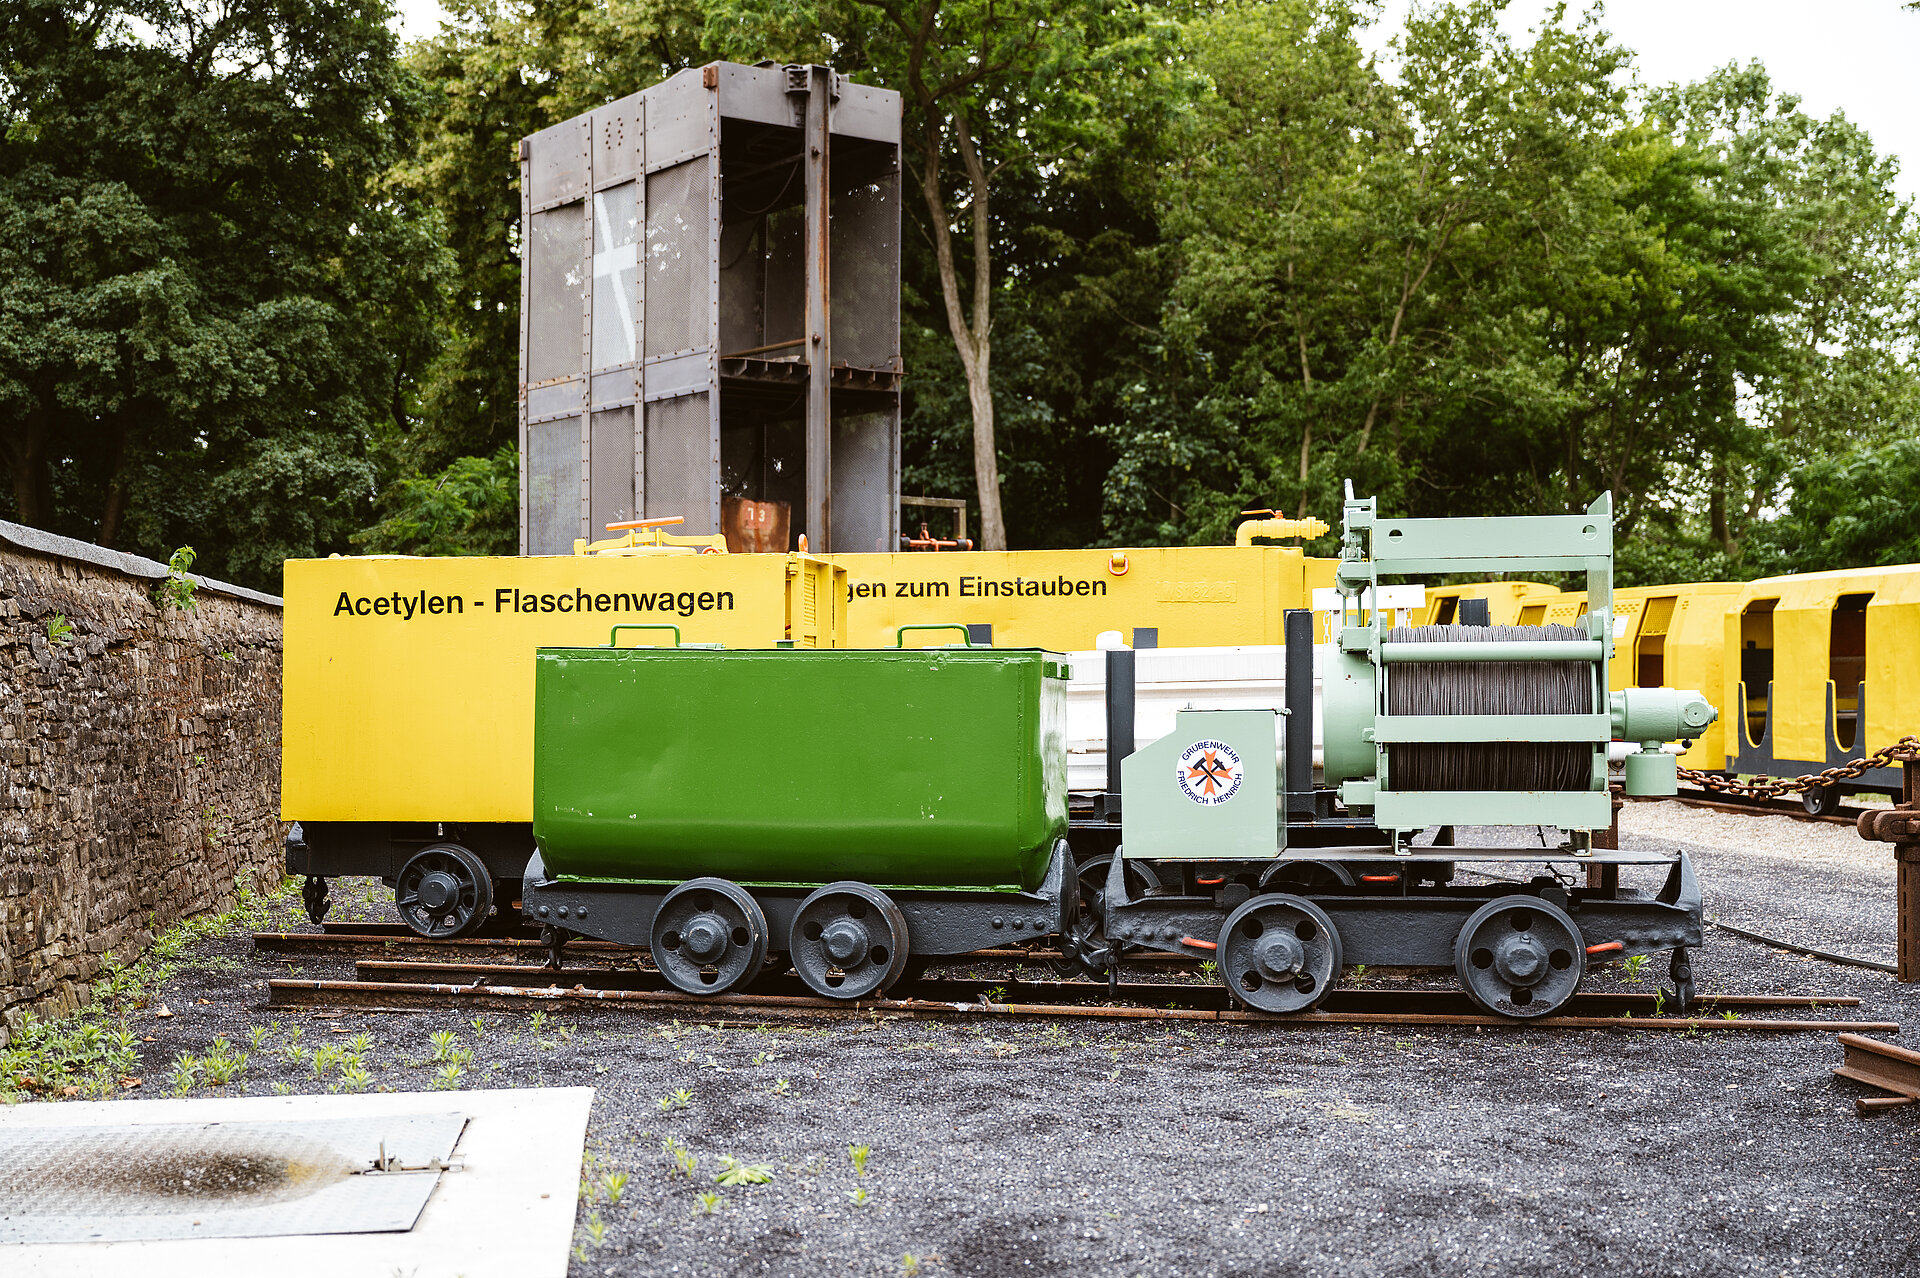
(444, 891)
(1821, 800)
(1084, 948)
(313, 895)
(1520, 956)
(849, 941)
(1305, 876)
(709, 935)
(1279, 953)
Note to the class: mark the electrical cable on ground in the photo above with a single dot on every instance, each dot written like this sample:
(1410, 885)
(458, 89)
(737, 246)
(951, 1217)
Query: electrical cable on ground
(1789, 946)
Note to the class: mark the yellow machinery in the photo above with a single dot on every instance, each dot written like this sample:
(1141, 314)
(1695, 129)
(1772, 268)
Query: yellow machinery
(409, 682)
(1169, 597)
(408, 689)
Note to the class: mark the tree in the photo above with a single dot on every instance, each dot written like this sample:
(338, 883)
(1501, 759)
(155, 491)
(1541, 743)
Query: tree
(995, 91)
(211, 304)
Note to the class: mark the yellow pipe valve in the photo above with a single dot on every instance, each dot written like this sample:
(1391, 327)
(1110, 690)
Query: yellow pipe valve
(1278, 529)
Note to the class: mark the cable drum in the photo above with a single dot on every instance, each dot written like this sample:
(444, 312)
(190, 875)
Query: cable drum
(1489, 688)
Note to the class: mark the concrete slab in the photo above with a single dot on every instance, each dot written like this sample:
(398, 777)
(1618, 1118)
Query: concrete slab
(507, 1209)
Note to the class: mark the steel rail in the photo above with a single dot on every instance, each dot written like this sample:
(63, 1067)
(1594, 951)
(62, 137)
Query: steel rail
(1346, 998)
(383, 995)
(399, 940)
(1882, 1065)
(1770, 807)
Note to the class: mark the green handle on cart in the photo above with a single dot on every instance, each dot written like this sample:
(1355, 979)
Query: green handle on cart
(900, 635)
(613, 639)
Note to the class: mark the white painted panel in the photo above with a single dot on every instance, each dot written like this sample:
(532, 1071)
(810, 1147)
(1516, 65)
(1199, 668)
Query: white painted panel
(1167, 680)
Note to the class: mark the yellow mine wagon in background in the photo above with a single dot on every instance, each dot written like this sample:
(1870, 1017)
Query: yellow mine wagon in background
(1827, 669)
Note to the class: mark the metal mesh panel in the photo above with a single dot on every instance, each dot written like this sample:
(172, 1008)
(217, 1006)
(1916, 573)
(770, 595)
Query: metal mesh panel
(865, 446)
(612, 470)
(553, 486)
(786, 302)
(558, 288)
(863, 240)
(743, 277)
(679, 462)
(677, 241)
(616, 240)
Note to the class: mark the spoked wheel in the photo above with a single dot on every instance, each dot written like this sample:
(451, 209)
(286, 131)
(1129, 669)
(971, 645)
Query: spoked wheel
(1305, 876)
(1084, 948)
(1279, 953)
(1821, 800)
(849, 941)
(313, 895)
(1520, 956)
(709, 935)
(444, 891)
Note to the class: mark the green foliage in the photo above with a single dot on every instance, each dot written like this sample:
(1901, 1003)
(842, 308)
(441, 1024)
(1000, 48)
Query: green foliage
(1211, 257)
(59, 630)
(175, 590)
(470, 508)
(212, 304)
(1857, 509)
(91, 1053)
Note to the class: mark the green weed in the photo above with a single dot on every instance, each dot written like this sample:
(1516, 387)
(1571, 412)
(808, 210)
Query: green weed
(683, 1160)
(734, 1172)
(59, 630)
(858, 1154)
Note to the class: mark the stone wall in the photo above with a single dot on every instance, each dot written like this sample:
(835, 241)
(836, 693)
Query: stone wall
(139, 761)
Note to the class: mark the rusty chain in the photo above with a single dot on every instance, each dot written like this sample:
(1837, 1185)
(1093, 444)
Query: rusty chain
(1905, 750)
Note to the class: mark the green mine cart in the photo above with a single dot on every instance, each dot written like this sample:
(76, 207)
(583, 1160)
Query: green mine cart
(849, 808)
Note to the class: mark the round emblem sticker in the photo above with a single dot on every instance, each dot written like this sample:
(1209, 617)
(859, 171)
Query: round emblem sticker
(1210, 772)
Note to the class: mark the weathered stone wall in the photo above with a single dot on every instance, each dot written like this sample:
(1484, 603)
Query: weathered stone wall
(139, 763)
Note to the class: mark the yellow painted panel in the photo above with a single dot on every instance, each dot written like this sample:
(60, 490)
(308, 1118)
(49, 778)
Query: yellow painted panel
(1693, 653)
(409, 682)
(1194, 596)
(1504, 600)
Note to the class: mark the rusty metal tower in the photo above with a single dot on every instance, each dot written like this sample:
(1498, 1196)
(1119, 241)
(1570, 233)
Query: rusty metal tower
(710, 313)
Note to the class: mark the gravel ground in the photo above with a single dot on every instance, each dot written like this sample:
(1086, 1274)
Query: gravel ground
(1082, 1147)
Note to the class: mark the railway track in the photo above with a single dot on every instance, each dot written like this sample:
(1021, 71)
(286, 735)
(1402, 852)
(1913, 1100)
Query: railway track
(1755, 807)
(386, 985)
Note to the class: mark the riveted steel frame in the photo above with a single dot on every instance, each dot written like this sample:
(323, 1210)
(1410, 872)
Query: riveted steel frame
(675, 395)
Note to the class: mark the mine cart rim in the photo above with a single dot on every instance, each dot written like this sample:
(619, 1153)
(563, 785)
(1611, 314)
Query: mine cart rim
(1313, 874)
(709, 936)
(1279, 953)
(854, 929)
(444, 891)
(1520, 944)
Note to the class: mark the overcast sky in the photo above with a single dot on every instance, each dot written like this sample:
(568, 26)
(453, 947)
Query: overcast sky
(1858, 57)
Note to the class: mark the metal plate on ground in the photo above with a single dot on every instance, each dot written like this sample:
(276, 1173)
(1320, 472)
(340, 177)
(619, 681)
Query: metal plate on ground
(235, 1179)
